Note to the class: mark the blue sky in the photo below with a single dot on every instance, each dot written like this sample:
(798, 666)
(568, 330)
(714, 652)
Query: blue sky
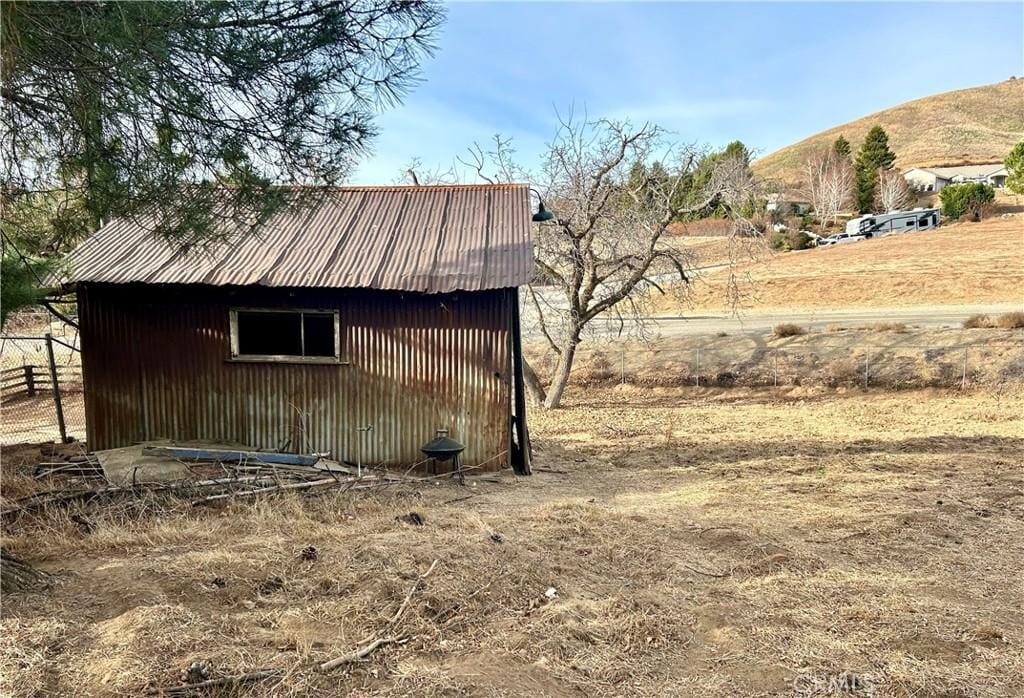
(768, 74)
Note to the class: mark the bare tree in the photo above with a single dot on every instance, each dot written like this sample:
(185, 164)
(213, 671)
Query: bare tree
(829, 183)
(606, 250)
(893, 192)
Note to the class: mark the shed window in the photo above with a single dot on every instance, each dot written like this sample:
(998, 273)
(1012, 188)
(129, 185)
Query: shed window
(284, 335)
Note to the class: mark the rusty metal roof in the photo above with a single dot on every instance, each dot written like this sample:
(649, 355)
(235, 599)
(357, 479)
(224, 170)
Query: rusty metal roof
(432, 239)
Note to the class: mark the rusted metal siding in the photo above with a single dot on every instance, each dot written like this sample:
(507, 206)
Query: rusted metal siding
(156, 364)
(431, 239)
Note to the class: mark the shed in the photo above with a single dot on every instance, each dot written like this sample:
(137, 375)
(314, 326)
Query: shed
(357, 327)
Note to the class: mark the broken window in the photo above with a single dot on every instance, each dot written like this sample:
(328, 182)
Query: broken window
(305, 335)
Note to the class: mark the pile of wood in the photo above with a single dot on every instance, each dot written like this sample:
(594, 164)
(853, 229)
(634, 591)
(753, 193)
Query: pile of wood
(217, 475)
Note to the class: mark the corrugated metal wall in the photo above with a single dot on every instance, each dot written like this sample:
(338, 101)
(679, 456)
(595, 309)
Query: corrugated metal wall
(156, 363)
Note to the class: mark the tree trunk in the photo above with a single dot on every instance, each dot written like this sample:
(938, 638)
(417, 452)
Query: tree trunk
(533, 385)
(16, 575)
(562, 372)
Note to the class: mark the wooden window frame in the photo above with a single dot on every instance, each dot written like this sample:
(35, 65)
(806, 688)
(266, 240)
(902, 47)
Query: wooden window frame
(287, 358)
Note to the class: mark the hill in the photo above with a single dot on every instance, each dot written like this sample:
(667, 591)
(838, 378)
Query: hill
(956, 264)
(972, 126)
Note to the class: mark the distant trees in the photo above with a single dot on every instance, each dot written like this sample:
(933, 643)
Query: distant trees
(1015, 169)
(892, 193)
(971, 199)
(874, 155)
(829, 181)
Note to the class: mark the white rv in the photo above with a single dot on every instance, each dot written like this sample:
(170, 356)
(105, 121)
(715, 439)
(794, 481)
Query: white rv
(876, 225)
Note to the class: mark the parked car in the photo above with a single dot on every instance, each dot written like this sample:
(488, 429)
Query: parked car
(843, 238)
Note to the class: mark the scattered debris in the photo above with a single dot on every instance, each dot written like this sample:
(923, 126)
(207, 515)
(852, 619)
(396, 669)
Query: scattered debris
(384, 640)
(86, 524)
(310, 553)
(219, 582)
(412, 518)
(198, 687)
(271, 584)
(196, 672)
(497, 538)
(551, 593)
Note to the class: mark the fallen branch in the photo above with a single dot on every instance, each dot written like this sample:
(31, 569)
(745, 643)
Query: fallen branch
(190, 688)
(408, 597)
(359, 653)
(367, 649)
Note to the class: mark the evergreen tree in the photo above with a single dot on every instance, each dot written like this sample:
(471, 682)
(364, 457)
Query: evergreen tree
(842, 147)
(1015, 169)
(874, 155)
(146, 109)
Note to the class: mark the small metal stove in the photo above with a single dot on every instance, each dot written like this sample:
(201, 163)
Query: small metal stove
(443, 448)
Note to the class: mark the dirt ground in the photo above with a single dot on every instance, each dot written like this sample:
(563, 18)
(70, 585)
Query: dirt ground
(674, 541)
(958, 263)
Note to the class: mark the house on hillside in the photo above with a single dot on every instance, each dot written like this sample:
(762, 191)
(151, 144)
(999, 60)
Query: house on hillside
(788, 203)
(936, 178)
(359, 327)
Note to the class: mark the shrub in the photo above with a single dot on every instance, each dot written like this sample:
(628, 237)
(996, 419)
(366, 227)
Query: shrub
(788, 329)
(787, 240)
(978, 322)
(1011, 321)
(889, 327)
(971, 199)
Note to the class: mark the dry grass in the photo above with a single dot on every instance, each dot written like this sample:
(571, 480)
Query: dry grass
(788, 329)
(977, 263)
(1006, 321)
(743, 545)
(976, 322)
(976, 125)
(1010, 321)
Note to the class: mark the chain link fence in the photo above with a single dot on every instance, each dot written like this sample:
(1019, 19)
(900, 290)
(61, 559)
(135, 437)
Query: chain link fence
(41, 396)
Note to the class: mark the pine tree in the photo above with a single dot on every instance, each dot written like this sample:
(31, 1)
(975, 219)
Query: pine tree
(1015, 169)
(874, 155)
(842, 147)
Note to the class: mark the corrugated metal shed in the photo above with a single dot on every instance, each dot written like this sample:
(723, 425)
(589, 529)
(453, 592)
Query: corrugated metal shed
(157, 364)
(431, 239)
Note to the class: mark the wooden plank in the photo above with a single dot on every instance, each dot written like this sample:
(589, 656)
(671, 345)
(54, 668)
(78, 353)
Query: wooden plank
(229, 456)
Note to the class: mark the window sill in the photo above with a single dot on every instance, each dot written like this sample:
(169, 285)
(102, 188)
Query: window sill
(314, 360)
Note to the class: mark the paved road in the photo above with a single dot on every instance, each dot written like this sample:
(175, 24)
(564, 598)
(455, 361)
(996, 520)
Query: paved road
(703, 323)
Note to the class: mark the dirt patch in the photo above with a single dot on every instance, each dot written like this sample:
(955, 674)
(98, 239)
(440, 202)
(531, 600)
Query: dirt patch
(732, 544)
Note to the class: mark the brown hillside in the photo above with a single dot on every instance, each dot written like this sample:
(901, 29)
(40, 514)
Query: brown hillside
(973, 126)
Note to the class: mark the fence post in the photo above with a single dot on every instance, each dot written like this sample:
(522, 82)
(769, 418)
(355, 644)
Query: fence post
(776, 368)
(622, 368)
(698, 367)
(30, 379)
(963, 381)
(56, 390)
(867, 354)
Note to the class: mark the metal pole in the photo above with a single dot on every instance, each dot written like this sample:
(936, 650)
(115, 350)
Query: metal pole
(698, 367)
(30, 380)
(56, 390)
(622, 368)
(776, 368)
(963, 382)
(866, 355)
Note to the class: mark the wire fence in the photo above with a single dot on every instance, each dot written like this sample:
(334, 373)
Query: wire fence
(41, 389)
(897, 366)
